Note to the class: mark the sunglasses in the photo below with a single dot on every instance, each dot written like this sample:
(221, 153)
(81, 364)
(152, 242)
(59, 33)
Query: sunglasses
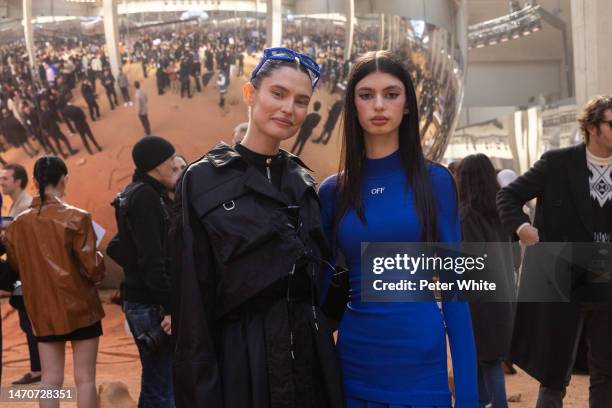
(286, 54)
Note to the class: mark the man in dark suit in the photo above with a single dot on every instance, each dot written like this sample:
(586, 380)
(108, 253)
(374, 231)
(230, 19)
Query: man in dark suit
(573, 187)
(108, 80)
(75, 115)
(88, 92)
(184, 73)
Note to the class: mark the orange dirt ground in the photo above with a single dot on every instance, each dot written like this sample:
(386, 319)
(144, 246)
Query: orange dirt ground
(193, 126)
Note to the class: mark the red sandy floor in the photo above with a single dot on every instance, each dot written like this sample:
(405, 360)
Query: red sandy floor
(193, 125)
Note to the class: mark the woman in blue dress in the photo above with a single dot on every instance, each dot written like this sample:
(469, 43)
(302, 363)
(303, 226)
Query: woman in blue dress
(394, 354)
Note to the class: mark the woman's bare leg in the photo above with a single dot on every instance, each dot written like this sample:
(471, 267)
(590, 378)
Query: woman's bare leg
(52, 356)
(84, 354)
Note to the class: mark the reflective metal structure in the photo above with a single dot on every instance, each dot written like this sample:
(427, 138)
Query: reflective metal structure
(431, 41)
(436, 61)
(429, 35)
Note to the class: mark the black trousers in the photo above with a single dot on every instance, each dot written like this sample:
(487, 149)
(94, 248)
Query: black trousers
(43, 140)
(92, 78)
(58, 137)
(85, 133)
(185, 88)
(144, 119)
(26, 327)
(93, 108)
(596, 322)
(110, 93)
(126, 94)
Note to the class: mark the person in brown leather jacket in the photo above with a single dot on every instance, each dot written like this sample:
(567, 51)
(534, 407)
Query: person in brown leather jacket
(52, 246)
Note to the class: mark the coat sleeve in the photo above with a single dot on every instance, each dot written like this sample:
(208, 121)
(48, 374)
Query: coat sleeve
(195, 367)
(84, 247)
(147, 216)
(335, 293)
(457, 314)
(512, 198)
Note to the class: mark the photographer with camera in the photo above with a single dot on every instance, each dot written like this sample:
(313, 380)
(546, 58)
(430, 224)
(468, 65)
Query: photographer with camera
(142, 221)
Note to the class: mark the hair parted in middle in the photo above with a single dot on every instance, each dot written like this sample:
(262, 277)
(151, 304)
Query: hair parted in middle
(477, 185)
(350, 176)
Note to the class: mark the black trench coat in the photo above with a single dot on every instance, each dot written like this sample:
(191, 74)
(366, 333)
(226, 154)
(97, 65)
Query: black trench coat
(492, 321)
(233, 345)
(544, 336)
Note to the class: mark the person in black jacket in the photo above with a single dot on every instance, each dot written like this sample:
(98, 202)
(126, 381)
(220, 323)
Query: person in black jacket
(573, 187)
(142, 223)
(108, 80)
(196, 71)
(75, 116)
(492, 321)
(184, 74)
(32, 124)
(89, 95)
(246, 321)
(50, 126)
(160, 78)
(15, 134)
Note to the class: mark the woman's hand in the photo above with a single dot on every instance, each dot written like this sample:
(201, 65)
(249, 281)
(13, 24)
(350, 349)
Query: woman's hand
(166, 325)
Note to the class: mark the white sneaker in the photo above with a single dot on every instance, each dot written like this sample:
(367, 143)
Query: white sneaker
(125, 104)
(131, 103)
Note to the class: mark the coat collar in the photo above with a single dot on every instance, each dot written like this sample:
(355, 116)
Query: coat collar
(295, 181)
(145, 178)
(579, 186)
(223, 154)
(49, 200)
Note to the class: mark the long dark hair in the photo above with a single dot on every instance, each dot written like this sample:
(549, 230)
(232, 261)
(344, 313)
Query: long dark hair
(48, 171)
(350, 176)
(478, 186)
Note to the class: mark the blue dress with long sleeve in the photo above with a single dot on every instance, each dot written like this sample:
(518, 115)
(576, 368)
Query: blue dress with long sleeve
(394, 354)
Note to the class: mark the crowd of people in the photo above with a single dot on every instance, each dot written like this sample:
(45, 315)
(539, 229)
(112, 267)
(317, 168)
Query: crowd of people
(233, 282)
(34, 103)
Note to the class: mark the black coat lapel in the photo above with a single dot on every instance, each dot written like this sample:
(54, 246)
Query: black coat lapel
(296, 180)
(579, 185)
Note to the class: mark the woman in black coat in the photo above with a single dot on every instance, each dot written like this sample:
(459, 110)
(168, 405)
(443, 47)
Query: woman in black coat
(248, 329)
(492, 321)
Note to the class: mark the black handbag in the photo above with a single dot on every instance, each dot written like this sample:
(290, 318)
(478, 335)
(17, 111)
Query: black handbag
(8, 283)
(16, 299)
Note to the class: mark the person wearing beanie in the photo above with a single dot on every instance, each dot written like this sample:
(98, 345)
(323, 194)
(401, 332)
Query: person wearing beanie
(142, 225)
